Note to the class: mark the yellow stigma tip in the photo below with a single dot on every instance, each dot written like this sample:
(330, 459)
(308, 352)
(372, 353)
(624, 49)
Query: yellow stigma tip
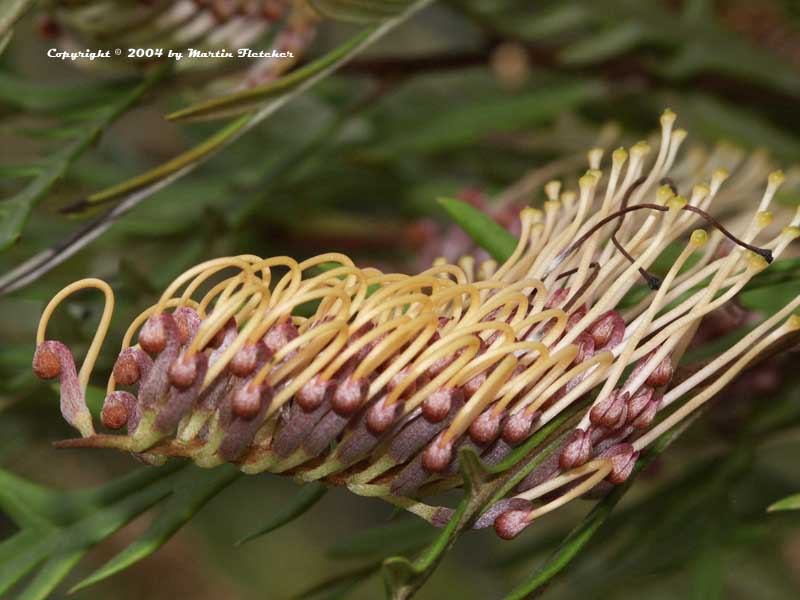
(552, 189)
(677, 203)
(791, 232)
(595, 155)
(699, 238)
(640, 149)
(793, 323)
(764, 218)
(701, 191)
(668, 117)
(757, 263)
(776, 178)
(720, 175)
(552, 205)
(619, 156)
(664, 194)
(534, 215)
(590, 179)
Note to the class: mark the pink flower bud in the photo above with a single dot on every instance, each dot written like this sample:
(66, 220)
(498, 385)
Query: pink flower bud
(437, 456)
(511, 523)
(350, 394)
(486, 428)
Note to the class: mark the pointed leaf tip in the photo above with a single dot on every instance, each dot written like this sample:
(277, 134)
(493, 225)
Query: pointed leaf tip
(302, 503)
(789, 503)
(484, 230)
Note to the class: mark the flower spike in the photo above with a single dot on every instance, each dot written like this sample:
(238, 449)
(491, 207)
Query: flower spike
(392, 375)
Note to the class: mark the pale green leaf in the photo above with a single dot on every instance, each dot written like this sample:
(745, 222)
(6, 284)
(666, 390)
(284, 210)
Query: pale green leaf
(789, 503)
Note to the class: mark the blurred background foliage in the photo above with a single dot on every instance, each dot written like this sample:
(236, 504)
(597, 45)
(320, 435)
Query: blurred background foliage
(461, 99)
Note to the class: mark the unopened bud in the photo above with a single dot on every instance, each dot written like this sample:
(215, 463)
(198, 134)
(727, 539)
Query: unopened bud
(473, 385)
(511, 523)
(381, 415)
(517, 427)
(315, 392)
(153, 336)
(219, 336)
(117, 409)
(183, 372)
(128, 366)
(279, 335)
(399, 378)
(188, 322)
(246, 402)
(437, 456)
(486, 428)
(350, 394)
(246, 359)
(46, 363)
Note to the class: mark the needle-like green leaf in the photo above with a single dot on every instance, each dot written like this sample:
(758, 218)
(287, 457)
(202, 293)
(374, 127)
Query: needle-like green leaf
(14, 211)
(192, 490)
(51, 574)
(10, 12)
(395, 538)
(306, 498)
(360, 11)
(250, 99)
(27, 504)
(789, 503)
(450, 128)
(483, 230)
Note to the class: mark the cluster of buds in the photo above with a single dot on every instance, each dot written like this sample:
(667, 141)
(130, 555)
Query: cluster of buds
(206, 26)
(388, 375)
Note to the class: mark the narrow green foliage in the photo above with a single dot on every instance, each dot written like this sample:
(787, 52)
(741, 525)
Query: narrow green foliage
(360, 11)
(277, 95)
(340, 585)
(306, 498)
(192, 490)
(27, 504)
(252, 98)
(789, 503)
(14, 211)
(57, 99)
(67, 525)
(605, 44)
(51, 574)
(481, 228)
(454, 128)
(10, 12)
(399, 537)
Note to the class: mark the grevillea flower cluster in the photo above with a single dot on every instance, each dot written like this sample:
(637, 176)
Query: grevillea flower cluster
(388, 376)
(203, 25)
